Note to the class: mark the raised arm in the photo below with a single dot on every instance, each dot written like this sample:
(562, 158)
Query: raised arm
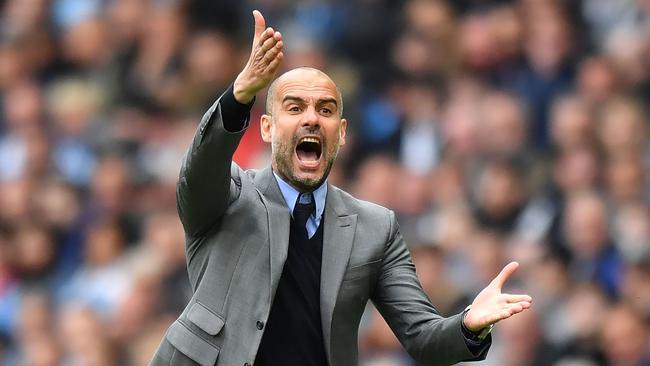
(205, 188)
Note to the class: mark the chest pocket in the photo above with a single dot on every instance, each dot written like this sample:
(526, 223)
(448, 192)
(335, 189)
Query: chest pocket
(358, 283)
(365, 270)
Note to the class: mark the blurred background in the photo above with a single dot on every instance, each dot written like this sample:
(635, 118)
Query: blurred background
(497, 130)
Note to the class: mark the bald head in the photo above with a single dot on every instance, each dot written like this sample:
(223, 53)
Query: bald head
(301, 74)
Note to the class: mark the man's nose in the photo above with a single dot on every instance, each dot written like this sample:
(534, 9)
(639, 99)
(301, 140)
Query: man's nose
(310, 117)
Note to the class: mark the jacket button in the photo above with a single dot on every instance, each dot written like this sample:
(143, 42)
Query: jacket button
(260, 325)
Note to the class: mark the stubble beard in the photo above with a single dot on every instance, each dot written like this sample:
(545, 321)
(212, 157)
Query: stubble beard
(282, 153)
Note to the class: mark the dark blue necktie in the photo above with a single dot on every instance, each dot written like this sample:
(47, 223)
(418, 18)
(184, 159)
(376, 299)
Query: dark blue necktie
(304, 208)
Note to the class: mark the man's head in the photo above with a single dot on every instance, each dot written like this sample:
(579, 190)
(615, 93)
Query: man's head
(304, 125)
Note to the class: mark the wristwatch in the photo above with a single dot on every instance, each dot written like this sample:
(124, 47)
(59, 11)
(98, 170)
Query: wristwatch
(476, 336)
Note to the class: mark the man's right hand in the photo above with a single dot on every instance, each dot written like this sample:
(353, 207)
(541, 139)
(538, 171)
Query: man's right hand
(264, 61)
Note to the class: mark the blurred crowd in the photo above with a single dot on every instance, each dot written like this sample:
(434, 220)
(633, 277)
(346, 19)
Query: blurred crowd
(497, 130)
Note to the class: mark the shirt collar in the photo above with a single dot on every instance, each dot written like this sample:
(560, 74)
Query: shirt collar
(290, 195)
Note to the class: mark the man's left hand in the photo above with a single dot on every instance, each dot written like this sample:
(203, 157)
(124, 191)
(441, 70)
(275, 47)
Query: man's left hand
(491, 306)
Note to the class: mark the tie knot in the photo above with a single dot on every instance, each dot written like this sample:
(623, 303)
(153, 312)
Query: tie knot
(305, 198)
(304, 208)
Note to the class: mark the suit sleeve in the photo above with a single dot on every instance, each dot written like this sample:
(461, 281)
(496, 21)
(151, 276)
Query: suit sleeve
(427, 336)
(205, 186)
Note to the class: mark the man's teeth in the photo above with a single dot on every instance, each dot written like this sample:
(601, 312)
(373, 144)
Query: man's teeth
(310, 139)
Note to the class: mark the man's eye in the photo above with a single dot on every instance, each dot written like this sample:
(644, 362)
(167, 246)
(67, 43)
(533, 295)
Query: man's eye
(294, 109)
(326, 111)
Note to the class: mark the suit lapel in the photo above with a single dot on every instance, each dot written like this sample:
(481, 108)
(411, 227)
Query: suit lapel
(338, 236)
(279, 220)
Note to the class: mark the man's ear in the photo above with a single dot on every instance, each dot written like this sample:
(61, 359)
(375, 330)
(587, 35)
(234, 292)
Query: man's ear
(344, 127)
(266, 124)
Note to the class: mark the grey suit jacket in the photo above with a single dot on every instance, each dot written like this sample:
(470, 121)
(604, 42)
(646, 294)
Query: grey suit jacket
(237, 233)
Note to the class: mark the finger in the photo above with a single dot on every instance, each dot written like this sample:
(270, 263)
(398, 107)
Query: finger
(525, 304)
(268, 43)
(517, 298)
(510, 310)
(505, 274)
(264, 37)
(515, 308)
(273, 52)
(260, 24)
(273, 65)
(496, 317)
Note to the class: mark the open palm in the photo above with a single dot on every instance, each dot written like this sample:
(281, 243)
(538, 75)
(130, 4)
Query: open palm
(491, 305)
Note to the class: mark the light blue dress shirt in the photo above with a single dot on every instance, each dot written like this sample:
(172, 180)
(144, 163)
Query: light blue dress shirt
(290, 195)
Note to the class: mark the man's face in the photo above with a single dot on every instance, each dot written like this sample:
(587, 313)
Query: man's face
(305, 128)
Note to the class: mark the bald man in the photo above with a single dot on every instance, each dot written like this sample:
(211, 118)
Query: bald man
(282, 263)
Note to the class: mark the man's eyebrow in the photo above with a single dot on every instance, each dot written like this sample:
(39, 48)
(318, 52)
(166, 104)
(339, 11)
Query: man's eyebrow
(328, 100)
(293, 99)
(296, 99)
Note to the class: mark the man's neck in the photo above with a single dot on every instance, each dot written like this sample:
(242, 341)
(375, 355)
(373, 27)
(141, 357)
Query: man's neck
(299, 189)
(290, 194)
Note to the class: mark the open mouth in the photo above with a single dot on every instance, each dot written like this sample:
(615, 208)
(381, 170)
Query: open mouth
(308, 149)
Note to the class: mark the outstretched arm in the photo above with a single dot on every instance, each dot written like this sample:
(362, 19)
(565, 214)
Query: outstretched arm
(204, 188)
(428, 337)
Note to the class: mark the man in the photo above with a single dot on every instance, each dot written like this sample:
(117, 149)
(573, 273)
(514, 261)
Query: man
(282, 264)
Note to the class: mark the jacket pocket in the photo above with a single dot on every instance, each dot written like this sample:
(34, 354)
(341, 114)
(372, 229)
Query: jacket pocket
(192, 345)
(204, 318)
(361, 271)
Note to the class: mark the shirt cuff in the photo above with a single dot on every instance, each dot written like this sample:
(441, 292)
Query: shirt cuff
(476, 342)
(235, 115)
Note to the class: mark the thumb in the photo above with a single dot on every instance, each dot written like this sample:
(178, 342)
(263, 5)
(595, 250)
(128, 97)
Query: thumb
(260, 25)
(503, 276)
